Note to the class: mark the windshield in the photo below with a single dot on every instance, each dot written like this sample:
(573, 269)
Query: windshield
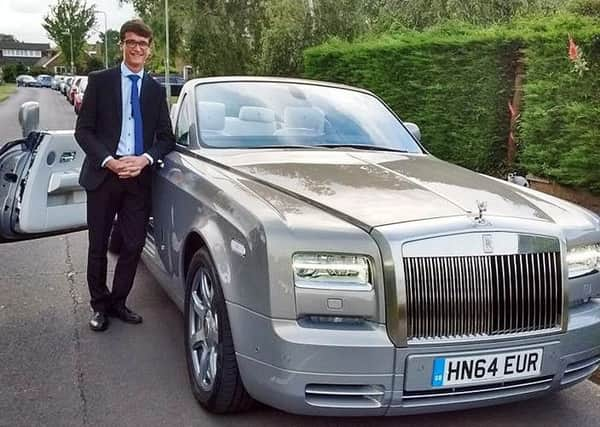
(270, 114)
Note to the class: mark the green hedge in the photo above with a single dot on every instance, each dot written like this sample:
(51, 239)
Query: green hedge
(559, 129)
(455, 82)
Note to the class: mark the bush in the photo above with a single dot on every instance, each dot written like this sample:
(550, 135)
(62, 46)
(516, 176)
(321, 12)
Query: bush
(586, 7)
(558, 130)
(11, 71)
(92, 63)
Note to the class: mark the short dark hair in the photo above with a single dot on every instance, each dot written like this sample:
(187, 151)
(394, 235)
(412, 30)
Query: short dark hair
(136, 26)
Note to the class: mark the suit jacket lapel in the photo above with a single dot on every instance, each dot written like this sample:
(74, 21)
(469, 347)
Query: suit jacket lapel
(145, 97)
(118, 95)
(144, 92)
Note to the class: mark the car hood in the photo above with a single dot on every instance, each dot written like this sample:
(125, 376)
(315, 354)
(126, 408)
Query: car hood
(380, 188)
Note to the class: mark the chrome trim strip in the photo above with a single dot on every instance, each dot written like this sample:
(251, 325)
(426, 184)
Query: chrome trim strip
(520, 302)
(464, 296)
(545, 286)
(577, 376)
(484, 390)
(334, 286)
(440, 297)
(481, 337)
(504, 292)
(341, 391)
(553, 288)
(364, 402)
(395, 291)
(470, 244)
(592, 362)
(512, 265)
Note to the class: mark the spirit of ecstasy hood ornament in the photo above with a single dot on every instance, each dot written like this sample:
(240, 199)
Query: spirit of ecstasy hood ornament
(482, 207)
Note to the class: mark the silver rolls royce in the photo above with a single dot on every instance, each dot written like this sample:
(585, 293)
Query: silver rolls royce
(327, 264)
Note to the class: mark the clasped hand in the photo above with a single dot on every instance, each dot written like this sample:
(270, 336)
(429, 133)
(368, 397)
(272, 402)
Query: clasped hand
(128, 166)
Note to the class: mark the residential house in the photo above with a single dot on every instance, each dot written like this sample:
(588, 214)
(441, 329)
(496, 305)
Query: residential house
(29, 54)
(56, 61)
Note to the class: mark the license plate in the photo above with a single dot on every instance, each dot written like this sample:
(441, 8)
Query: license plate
(472, 370)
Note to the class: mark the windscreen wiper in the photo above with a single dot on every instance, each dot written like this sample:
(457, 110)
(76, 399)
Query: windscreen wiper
(362, 147)
(285, 146)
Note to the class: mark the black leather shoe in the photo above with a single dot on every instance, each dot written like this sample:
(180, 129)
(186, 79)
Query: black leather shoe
(125, 314)
(99, 321)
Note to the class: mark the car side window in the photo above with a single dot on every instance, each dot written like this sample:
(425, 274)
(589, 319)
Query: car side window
(182, 129)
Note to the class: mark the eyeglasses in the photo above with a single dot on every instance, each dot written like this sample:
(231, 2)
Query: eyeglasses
(133, 43)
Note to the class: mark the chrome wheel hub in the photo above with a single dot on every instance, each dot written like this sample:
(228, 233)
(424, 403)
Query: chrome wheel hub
(203, 330)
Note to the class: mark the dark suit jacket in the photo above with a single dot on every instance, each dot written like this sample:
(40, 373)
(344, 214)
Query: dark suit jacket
(98, 127)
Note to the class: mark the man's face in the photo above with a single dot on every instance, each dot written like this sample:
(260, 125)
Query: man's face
(135, 50)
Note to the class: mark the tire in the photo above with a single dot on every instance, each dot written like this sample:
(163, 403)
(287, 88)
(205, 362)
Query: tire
(216, 384)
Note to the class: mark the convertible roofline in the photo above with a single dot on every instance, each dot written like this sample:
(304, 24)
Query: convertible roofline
(223, 79)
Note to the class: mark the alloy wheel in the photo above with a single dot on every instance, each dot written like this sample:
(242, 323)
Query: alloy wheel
(203, 330)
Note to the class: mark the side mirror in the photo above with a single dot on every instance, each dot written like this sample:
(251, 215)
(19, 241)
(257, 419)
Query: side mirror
(29, 117)
(414, 130)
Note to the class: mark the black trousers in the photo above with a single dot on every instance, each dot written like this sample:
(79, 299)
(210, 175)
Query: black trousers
(130, 200)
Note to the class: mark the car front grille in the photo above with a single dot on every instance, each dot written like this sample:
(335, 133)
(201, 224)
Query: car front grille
(491, 295)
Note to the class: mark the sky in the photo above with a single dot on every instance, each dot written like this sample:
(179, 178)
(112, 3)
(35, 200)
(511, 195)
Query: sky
(23, 18)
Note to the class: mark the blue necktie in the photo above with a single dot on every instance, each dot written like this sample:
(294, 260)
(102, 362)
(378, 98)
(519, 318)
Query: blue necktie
(136, 111)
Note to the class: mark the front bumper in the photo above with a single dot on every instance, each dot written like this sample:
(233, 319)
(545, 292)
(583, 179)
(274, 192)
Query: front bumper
(352, 371)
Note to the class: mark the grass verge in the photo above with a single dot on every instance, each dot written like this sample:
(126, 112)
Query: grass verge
(6, 90)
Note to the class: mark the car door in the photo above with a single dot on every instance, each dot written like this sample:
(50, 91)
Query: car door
(39, 190)
(163, 184)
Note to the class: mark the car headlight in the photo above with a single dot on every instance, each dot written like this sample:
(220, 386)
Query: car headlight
(332, 271)
(583, 259)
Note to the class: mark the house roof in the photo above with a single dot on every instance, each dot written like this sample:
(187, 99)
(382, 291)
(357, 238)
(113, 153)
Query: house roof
(45, 61)
(9, 44)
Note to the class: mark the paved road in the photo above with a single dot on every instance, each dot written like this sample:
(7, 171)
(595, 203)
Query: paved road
(55, 112)
(55, 372)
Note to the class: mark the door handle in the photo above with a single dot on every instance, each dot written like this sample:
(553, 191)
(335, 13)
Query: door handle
(67, 156)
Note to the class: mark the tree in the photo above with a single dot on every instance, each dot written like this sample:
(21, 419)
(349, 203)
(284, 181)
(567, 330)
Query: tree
(92, 63)
(268, 36)
(345, 19)
(420, 14)
(289, 30)
(8, 38)
(114, 53)
(70, 18)
(293, 25)
(226, 37)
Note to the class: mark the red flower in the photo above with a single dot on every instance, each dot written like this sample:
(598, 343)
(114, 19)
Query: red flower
(573, 50)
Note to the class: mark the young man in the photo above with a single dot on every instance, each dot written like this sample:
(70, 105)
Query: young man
(124, 128)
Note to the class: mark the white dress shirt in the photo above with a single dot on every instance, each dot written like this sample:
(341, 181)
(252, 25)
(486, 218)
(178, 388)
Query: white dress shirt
(126, 145)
